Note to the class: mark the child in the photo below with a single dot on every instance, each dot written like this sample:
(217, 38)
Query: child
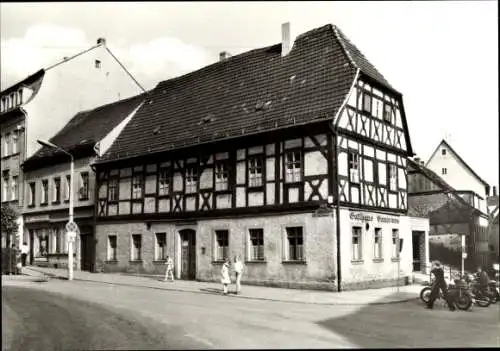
(170, 269)
(225, 279)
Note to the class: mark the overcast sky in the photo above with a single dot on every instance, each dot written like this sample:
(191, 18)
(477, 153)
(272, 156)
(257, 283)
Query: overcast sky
(442, 56)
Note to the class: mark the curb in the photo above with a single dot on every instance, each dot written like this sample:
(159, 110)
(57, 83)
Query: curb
(52, 275)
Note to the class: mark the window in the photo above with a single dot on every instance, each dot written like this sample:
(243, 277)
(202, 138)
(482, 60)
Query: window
(256, 245)
(136, 247)
(56, 197)
(387, 113)
(84, 186)
(45, 192)
(31, 194)
(137, 186)
(377, 253)
(221, 245)
(393, 177)
(356, 244)
(444, 171)
(14, 188)
(354, 167)
(443, 151)
(295, 243)
(255, 172)
(378, 108)
(112, 248)
(5, 190)
(395, 243)
(14, 143)
(113, 190)
(293, 165)
(367, 102)
(221, 176)
(161, 246)
(164, 182)
(6, 141)
(191, 180)
(68, 184)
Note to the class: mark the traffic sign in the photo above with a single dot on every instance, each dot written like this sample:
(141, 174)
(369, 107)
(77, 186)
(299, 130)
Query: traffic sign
(71, 227)
(71, 236)
(464, 255)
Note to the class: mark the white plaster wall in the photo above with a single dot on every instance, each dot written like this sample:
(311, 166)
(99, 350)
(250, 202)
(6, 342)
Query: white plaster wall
(72, 87)
(458, 176)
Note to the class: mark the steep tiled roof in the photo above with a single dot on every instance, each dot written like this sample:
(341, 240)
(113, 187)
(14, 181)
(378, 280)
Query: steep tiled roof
(246, 94)
(431, 175)
(460, 159)
(88, 127)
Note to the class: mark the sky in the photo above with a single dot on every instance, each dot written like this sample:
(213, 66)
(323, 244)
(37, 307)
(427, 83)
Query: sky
(442, 56)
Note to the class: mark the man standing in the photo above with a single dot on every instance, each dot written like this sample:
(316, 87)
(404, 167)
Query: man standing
(439, 284)
(170, 269)
(483, 280)
(24, 253)
(238, 269)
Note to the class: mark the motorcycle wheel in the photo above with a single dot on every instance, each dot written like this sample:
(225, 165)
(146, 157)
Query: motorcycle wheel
(483, 301)
(425, 294)
(463, 302)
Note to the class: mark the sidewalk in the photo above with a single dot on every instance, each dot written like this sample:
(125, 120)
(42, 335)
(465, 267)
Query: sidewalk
(359, 297)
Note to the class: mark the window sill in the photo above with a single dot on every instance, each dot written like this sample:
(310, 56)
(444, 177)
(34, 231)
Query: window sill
(56, 202)
(111, 261)
(294, 262)
(378, 260)
(255, 261)
(31, 206)
(395, 259)
(135, 261)
(45, 204)
(66, 201)
(159, 261)
(357, 262)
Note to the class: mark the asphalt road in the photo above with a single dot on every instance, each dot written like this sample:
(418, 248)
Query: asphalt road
(84, 315)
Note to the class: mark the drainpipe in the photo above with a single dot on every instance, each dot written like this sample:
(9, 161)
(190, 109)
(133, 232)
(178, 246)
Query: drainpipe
(334, 129)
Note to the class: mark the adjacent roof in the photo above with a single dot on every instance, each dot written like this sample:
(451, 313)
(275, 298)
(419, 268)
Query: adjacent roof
(28, 81)
(87, 128)
(249, 93)
(444, 143)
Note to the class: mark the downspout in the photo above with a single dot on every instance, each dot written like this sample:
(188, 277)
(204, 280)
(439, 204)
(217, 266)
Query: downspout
(336, 175)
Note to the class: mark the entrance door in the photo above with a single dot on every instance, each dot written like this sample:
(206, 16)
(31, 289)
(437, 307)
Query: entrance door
(417, 236)
(188, 254)
(86, 249)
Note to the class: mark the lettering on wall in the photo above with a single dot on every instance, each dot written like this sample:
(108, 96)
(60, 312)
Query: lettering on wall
(360, 216)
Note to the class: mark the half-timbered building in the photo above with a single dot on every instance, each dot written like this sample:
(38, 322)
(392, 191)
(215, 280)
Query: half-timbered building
(250, 156)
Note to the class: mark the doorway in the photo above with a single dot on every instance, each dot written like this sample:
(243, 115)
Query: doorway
(188, 254)
(418, 237)
(86, 248)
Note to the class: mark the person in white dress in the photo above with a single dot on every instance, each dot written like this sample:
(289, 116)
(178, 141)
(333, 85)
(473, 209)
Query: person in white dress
(170, 269)
(225, 278)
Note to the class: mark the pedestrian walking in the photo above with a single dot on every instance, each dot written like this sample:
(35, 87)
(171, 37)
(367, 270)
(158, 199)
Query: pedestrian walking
(169, 272)
(24, 253)
(225, 278)
(439, 284)
(238, 270)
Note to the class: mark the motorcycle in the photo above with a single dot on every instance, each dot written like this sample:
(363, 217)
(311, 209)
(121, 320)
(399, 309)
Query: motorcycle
(458, 293)
(494, 291)
(481, 298)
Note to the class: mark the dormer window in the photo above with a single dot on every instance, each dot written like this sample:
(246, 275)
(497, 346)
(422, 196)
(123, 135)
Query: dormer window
(353, 167)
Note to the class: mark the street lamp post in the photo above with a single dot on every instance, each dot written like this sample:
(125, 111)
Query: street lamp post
(69, 235)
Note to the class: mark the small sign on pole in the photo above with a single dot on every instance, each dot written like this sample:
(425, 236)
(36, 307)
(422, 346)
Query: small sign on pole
(464, 255)
(71, 227)
(71, 236)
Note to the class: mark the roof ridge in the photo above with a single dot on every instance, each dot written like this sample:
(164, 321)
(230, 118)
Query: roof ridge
(342, 44)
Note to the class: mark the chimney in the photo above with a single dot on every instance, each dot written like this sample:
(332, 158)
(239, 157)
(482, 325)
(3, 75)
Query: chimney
(285, 39)
(101, 41)
(224, 55)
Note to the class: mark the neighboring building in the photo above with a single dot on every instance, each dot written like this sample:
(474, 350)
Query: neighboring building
(493, 211)
(248, 156)
(47, 175)
(456, 172)
(450, 216)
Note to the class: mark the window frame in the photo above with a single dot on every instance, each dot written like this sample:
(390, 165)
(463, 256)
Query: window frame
(367, 102)
(14, 187)
(395, 244)
(6, 187)
(137, 186)
(353, 160)
(291, 173)
(258, 235)
(444, 171)
(357, 232)
(292, 232)
(160, 250)
(164, 181)
(6, 146)
(112, 254)
(67, 190)
(83, 189)
(136, 251)
(114, 195)
(392, 186)
(221, 177)
(219, 254)
(44, 192)
(378, 234)
(31, 194)
(254, 177)
(191, 179)
(443, 152)
(387, 112)
(56, 190)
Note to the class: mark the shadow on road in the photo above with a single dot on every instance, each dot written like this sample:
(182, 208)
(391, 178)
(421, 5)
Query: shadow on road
(410, 324)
